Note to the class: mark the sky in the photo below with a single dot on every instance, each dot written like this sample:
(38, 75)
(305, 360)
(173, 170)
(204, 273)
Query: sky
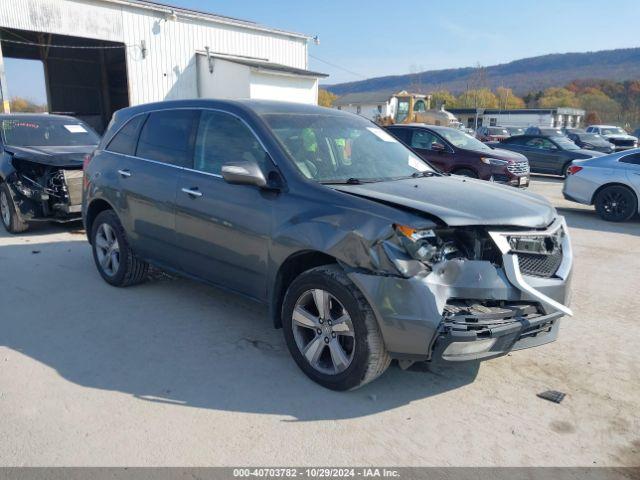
(362, 39)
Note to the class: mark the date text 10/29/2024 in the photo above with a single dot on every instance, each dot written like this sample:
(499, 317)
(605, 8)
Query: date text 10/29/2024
(319, 472)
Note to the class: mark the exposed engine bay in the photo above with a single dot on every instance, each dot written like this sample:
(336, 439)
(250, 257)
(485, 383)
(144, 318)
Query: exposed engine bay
(46, 191)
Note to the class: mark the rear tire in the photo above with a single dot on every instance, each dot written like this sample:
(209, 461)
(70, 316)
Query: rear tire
(616, 204)
(564, 173)
(465, 172)
(10, 218)
(116, 262)
(342, 359)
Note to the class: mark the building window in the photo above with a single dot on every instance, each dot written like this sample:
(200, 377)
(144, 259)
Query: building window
(358, 109)
(379, 108)
(493, 122)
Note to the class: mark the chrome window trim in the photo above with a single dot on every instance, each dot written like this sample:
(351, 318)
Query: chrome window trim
(147, 112)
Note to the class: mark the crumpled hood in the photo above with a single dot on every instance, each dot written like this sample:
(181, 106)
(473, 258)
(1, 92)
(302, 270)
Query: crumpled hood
(54, 156)
(459, 201)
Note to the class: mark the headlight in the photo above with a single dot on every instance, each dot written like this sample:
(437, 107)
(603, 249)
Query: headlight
(493, 161)
(425, 245)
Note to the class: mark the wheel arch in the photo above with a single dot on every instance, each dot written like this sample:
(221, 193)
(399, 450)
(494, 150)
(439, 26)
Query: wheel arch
(94, 208)
(613, 184)
(289, 269)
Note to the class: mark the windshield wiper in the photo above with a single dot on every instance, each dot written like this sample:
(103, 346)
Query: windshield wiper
(350, 181)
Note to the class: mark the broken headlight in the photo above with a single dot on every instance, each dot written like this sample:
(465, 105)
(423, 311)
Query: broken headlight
(426, 245)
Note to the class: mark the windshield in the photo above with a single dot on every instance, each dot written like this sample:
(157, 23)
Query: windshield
(613, 131)
(565, 144)
(515, 130)
(343, 149)
(463, 140)
(498, 131)
(47, 132)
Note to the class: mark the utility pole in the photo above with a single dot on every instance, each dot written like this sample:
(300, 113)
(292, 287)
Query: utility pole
(4, 89)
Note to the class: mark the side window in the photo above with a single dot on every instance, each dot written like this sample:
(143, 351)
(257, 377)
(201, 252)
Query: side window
(633, 159)
(402, 134)
(423, 139)
(127, 137)
(167, 137)
(223, 138)
(419, 106)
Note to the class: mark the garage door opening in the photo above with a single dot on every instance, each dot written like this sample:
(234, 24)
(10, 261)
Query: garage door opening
(83, 77)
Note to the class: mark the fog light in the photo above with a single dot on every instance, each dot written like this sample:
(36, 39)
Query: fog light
(458, 350)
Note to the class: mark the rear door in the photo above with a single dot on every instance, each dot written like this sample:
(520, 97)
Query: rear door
(631, 163)
(223, 229)
(542, 154)
(149, 180)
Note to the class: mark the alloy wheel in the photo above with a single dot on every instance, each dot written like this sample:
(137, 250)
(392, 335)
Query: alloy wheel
(107, 249)
(615, 204)
(323, 331)
(4, 209)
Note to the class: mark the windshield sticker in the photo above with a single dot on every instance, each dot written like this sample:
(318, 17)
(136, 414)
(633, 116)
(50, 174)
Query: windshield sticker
(22, 124)
(417, 164)
(76, 128)
(382, 135)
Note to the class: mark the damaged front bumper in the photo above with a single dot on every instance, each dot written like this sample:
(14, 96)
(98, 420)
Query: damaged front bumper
(473, 309)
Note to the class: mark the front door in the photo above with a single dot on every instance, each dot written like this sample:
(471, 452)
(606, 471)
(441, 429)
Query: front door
(224, 230)
(433, 149)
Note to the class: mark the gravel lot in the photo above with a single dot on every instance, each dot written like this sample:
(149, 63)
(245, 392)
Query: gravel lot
(176, 373)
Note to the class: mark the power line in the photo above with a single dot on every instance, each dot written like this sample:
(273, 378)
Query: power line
(338, 67)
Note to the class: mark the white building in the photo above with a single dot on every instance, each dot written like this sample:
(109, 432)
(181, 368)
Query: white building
(136, 51)
(524, 117)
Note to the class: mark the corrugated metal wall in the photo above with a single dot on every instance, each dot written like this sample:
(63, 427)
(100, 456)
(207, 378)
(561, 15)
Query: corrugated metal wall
(168, 70)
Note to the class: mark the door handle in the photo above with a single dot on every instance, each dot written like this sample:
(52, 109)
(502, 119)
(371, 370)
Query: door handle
(192, 192)
(124, 173)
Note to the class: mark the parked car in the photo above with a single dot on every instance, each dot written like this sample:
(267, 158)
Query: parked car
(544, 131)
(547, 154)
(453, 151)
(515, 130)
(620, 139)
(41, 168)
(491, 134)
(591, 141)
(611, 183)
(361, 250)
(568, 130)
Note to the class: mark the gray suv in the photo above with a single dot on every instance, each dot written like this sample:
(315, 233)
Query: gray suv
(362, 251)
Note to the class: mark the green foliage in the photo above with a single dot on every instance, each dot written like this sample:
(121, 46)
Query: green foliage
(558, 97)
(507, 100)
(443, 97)
(477, 98)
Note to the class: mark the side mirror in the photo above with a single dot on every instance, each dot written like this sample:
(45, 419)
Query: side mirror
(243, 173)
(437, 147)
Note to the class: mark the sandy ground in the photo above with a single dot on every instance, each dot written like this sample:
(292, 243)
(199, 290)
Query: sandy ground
(177, 373)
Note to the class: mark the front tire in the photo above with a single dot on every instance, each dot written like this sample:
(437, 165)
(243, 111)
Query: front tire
(116, 262)
(10, 218)
(616, 204)
(331, 331)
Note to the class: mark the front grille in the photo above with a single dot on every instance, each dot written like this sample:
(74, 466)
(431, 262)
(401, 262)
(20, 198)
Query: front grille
(518, 168)
(622, 143)
(540, 265)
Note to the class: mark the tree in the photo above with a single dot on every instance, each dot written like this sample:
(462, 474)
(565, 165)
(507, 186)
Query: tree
(326, 98)
(558, 97)
(507, 100)
(592, 118)
(479, 98)
(443, 97)
(597, 102)
(19, 104)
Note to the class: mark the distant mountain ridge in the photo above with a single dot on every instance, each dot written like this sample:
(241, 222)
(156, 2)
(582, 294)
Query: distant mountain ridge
(523, 76)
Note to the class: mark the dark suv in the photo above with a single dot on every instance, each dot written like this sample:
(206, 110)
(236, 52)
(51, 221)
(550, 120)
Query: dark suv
(453, 151)
(362, 252)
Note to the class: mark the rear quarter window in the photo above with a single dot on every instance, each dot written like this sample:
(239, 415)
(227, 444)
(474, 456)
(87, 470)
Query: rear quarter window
(126, 139)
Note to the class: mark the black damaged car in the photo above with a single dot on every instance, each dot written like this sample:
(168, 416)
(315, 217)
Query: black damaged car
(41, 168)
